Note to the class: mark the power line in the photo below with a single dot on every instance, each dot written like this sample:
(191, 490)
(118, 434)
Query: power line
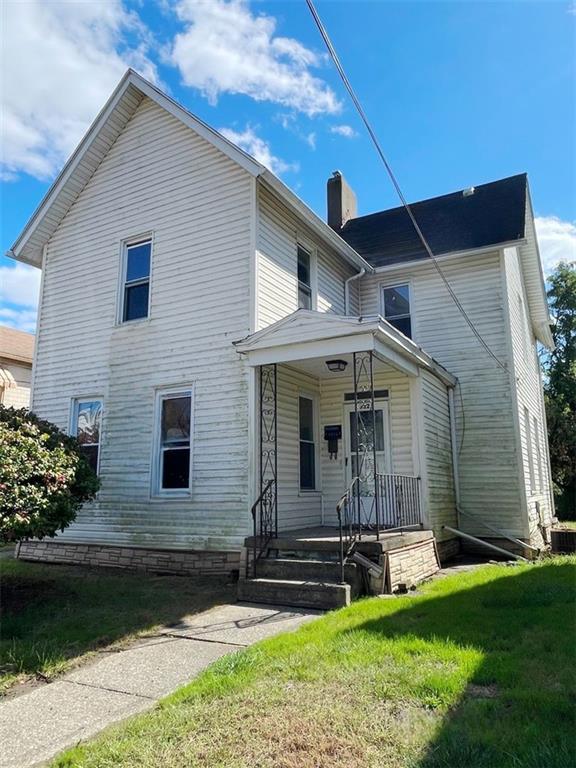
(395, 183)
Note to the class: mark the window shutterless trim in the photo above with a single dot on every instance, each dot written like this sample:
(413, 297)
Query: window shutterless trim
(123, 283)
(406, 316)
(73, 421)
(156, 490)
(311, 288)
(314, 442)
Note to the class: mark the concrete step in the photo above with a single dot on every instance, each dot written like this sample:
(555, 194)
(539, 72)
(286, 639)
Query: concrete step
(307, 570)
(303, 594)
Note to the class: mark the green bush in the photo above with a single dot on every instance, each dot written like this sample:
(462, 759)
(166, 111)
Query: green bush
(44, 478)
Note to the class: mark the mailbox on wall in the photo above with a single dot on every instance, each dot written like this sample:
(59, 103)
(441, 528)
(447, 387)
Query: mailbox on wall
(332, 434)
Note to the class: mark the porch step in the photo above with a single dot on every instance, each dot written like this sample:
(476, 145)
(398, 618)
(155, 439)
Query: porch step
(304, 570)
(303, 594)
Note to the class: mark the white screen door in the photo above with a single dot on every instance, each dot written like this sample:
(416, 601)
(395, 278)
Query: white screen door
(366, 453)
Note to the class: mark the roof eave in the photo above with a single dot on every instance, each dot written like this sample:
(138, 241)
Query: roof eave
(318, 225)
(130, 78)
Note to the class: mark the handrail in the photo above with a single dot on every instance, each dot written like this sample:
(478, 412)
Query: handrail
(397, 504)
(344, 502)
(266, 502)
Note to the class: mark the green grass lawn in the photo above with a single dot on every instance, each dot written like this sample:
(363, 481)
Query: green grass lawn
(567, 524)
(476, 672)
(53, 615)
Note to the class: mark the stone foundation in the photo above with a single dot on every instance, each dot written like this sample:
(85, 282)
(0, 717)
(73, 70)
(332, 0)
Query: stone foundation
(181, 562)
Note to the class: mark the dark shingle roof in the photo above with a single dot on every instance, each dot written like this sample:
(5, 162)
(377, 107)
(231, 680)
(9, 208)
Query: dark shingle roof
(494, 214)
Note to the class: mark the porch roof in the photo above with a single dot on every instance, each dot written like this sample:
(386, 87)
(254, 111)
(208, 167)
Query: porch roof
(307, 334)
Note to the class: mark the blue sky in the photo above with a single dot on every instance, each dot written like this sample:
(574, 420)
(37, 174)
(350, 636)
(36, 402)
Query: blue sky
(460, 93)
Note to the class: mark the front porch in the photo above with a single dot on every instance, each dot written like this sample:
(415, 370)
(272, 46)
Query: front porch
(340, 431)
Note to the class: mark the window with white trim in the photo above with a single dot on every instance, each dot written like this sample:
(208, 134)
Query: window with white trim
(529, 451)
(304, 279)
(307, 433)
(136, 280)
(174, 442)
(87, 427)
(396, 307)
(538, 454)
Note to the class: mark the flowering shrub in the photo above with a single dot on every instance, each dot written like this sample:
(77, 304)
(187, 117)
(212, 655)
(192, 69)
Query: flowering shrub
(44, 478)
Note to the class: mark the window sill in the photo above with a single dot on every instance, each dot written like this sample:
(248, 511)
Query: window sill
(309, 492)
(163, 497)
(133, 323)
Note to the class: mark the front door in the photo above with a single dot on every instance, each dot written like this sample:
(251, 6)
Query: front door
(362, 465)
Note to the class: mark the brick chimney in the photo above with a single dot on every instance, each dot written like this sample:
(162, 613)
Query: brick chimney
(341, 201)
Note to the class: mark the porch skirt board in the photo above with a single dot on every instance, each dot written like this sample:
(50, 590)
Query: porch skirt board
(180, 562)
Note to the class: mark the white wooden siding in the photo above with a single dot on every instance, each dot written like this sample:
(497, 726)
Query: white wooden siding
(278, 235)
(296, 508)
(158, 177)
(439, 482)
(486, 437)
(529, 395)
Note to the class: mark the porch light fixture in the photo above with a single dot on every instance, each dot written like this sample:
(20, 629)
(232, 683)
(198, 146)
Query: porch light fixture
(336, 366)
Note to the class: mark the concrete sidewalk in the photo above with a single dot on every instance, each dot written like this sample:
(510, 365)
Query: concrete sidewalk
(36, 726)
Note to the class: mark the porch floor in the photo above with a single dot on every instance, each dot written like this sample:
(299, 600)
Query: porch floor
(326, 538)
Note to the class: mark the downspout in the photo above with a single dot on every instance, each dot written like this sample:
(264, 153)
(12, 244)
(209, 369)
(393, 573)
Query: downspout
(455, 473)
(347, 290)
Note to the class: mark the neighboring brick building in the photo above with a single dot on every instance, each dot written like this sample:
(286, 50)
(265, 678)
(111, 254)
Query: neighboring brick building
(16, 353)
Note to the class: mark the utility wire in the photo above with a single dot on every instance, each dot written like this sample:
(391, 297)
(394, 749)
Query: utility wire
(395, 183)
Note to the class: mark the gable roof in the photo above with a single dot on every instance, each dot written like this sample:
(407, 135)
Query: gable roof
(287, 338)
(104, 131)
(492, 215)
(16, 345)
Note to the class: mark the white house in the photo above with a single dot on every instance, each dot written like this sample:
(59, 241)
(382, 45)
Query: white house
(209, 338)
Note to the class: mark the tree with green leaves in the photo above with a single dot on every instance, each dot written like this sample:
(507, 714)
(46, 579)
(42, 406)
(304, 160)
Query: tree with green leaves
(560, 388)
(44, 477)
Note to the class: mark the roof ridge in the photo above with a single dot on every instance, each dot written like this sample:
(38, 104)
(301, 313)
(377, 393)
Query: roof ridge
(435, 197)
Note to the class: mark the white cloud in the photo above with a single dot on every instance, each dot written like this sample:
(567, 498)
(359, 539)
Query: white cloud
(310, 139)
(258, 148)
(343, 130)
(19, 288)
(557, 240)
(225, 48)
(19, 285)
(21, 319)
(61, 62)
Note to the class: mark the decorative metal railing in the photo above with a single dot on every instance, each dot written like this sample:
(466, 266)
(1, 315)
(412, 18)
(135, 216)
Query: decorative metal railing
(264, 522)
(395, 504)
(349, 526)
(399, 500)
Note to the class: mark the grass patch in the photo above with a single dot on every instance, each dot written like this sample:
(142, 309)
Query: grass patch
(567, 525)
(476, 672)
(53, 615)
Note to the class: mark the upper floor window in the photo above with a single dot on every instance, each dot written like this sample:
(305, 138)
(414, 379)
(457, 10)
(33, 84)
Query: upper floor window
(86, 427)
(396, 307)
(136, 280)
(304, 279)
(174, 442)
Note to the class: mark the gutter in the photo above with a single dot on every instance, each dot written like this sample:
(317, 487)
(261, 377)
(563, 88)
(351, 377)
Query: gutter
(347, 288)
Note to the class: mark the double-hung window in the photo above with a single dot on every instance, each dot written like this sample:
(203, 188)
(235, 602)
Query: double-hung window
(396, 307)
(538, 454)
(174, 442)
(307, 443)
(136, 280)
(304, 279)
(86, 427)
(529, 451)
